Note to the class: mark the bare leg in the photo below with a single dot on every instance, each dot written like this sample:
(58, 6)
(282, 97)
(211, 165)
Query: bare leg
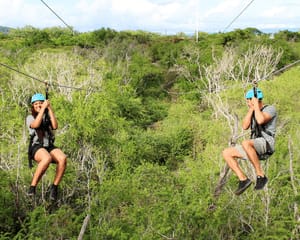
(43, 158)
(61, 160)
(248, 146)
(230, 155)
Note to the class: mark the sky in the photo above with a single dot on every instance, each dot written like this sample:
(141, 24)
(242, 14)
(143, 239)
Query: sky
(160, 16)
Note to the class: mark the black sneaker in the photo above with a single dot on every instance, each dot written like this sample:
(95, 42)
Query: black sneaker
(243, 185)
(31, 191)
(53, 192)
(260, 182)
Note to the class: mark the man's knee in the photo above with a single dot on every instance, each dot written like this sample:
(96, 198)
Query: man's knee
(227, 152)
(247, 143)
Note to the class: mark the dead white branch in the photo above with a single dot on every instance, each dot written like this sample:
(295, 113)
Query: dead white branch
(296, 230)
(84, 226)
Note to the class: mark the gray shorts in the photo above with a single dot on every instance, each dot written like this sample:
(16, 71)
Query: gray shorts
(260, 146)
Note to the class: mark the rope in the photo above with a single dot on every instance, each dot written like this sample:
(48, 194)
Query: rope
(238, 16)
(280, 70)
(254, 83)
(68, 26)
(41, 81)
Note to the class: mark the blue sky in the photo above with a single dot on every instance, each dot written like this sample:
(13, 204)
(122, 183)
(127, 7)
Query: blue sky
(163, 16)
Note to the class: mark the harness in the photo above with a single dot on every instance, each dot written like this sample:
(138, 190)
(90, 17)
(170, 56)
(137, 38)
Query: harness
(45, 127)
(256, 132)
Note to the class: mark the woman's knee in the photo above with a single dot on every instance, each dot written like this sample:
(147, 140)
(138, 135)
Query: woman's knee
(44, 163)
(42, 156)
(58, 156)
(61, 159)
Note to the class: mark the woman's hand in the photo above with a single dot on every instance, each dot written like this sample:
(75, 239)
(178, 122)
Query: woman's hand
(45, 104)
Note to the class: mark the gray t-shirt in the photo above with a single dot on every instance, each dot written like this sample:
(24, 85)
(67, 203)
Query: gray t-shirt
(38, 133)
(270, 127)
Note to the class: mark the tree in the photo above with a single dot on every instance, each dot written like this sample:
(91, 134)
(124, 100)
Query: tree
(287, 36)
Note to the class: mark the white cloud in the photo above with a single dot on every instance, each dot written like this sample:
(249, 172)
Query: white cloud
(91, 7)
(276, 26)
(132, 7)
(225, 8)
(274, 12)
(150, 15)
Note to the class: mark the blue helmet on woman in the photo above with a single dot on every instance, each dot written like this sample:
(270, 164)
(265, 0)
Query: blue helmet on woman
(37, 97)
(250, 94)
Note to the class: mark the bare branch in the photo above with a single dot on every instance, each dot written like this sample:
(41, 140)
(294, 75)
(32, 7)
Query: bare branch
(84, 226)
(293, 182)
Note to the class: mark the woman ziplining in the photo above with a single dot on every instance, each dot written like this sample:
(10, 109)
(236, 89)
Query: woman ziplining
(41, 122)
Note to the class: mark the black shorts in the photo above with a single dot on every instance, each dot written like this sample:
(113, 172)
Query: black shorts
(35, 147)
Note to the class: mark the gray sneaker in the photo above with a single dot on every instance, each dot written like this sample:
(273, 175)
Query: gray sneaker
(243, 185)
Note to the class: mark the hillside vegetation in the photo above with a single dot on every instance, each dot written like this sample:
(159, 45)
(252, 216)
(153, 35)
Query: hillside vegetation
(143, 119)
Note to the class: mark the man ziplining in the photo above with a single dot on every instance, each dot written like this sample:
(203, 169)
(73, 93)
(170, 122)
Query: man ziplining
(262, 121)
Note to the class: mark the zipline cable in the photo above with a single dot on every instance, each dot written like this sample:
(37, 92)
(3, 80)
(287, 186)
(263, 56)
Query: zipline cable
(255, 82)
(41, 81)
(25, 74)
(68, 26)
(279, 70)
(244, 9)
(233, 86)
(77, 88)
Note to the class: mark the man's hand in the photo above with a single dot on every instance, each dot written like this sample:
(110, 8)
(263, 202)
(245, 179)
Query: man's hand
(254, 102)
(250, 104)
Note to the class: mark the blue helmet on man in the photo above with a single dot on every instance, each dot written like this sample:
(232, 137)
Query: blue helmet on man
(37, 97)
(250, 94)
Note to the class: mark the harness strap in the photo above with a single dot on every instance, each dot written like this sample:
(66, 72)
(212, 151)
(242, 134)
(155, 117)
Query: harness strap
(29, 151)
(257, 130)
(45, 126)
